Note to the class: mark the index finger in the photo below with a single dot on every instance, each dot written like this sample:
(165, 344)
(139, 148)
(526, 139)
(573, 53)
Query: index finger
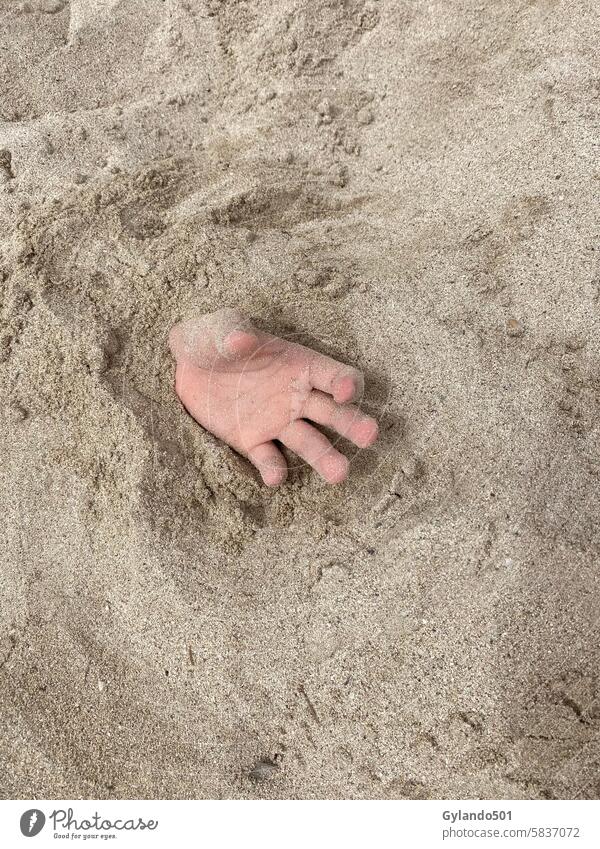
(344, 382)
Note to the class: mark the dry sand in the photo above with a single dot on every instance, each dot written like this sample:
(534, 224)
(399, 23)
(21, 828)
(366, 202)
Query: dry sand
(409, 186)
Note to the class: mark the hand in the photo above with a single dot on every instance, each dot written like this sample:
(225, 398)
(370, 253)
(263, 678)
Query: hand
(249, 388)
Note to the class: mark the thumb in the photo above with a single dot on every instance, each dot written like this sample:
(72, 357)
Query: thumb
(225, 334)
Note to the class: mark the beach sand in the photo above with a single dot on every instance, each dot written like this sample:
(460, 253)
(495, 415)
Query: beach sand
(408, 186)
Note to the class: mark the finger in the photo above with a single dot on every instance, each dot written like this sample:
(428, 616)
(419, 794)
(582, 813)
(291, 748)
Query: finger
(346, 419)
(225, 334)
(239, 344)
(270, 462)
(310, 444)
(343, 382)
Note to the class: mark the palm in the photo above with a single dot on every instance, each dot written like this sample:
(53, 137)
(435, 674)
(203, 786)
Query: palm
(249, 388)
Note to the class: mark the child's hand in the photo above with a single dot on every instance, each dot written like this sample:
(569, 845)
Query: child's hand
(249, 388)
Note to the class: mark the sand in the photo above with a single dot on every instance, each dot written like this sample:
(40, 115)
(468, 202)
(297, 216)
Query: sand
(409, 186)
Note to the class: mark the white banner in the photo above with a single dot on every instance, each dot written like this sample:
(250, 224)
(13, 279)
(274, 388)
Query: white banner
(265, 824)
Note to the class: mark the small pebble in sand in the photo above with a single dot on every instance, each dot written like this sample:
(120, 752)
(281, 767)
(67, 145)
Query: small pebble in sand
(567, 362)
(351, 147)
(263, 770)
(324, 108)
(6, 162)
(266, 95)
(573, 343)
(410, 467)
(47, 146)
(49, 7)
(514, 327)
(17, 413)
(473, 719)
(565, 404)
(397, 484)
(364, 116)
(338, 175)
